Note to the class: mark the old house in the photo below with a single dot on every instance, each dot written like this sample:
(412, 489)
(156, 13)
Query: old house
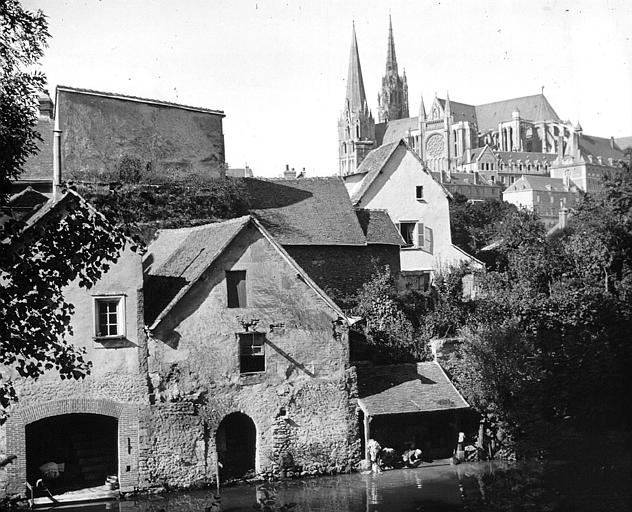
(313, 219)
(248, 358)
(90, 429)
(393, 178)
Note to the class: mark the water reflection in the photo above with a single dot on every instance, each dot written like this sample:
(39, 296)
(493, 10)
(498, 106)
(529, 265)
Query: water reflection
(467, 487)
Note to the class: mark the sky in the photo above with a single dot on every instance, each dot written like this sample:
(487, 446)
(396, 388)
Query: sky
(278, 69)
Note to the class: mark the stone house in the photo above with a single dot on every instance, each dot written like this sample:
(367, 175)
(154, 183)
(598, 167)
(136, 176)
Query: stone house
(241, 336)
(91, 427)
(543, 195)
(337, 245)
(393, 178)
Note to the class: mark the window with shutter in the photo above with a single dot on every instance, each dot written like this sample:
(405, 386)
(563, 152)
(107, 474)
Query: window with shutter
(407, 230)
(236, 288)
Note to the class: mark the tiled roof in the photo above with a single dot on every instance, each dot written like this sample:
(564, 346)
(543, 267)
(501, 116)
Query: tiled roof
(177, 258)
(40, 165)
(624, 142)
(599, 146)
(306, 211)
(406, 388)
(398, 129)
(126, 97)
(26, 201)
(538, 184)
(533, 108)
(461, 111)
(378, 227)
(373, 164)
(371, 167)
(505, 156)
(469, 178)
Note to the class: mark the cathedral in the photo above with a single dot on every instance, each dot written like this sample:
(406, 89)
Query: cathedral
(500, 141)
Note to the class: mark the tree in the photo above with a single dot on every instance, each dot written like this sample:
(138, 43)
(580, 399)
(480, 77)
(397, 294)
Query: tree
(23, 41)
(387, 326)
(69, 241)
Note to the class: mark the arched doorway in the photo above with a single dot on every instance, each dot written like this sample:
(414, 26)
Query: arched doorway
(236, 443)
(83, 448)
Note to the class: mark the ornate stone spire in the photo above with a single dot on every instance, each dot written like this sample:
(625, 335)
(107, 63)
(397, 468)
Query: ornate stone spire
(356, 98)
(393, 100)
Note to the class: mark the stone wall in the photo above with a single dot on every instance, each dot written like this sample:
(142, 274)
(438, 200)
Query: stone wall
(342, 270)
(98, 129)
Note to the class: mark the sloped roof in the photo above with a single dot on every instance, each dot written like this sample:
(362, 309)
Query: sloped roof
(407, 388)
(460, 111)
(398, 129)
(373, 164)
(378, 227)
(39, 167)
(624, 142)
(537, 184)
(371, 167)
(533, 108)
(305, 211)
(178, 257)
(125, 97)
(599, 146)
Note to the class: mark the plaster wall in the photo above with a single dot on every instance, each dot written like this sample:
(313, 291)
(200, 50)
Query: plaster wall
(394, 190)
(116, 386)
(194, 357)
(98, 130)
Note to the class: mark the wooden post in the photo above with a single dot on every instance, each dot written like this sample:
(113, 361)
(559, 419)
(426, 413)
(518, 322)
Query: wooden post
(367, 435)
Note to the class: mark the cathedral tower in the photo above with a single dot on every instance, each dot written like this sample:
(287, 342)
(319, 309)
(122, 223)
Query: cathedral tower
(393, 100)
(356, 127)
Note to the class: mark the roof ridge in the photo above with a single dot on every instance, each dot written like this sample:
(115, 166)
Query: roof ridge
(129, 97)
(200, 227)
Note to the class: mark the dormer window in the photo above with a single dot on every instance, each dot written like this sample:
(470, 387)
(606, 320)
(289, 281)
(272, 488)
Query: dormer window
(109, 317)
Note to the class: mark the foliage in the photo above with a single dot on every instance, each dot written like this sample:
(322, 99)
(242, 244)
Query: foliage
(545, 351)
(144, 208)
(22, 43)
(473, 224)
(129, 169)
(387, 326)
(72, 243)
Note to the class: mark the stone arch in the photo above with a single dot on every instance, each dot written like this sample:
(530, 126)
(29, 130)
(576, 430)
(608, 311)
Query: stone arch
(128, 442)
(236, 444)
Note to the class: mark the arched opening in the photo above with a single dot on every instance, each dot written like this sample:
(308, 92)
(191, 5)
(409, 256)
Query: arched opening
(72, 451)
(236, 442)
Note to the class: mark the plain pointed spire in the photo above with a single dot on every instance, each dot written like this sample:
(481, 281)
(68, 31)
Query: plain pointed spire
(391, 59)
(356, 97)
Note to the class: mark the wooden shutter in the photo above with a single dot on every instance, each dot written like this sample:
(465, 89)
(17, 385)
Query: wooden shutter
(236, 289)
(420, 235)
(429, 241)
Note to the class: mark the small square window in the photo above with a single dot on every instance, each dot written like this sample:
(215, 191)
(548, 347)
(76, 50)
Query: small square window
(419, 193)
(109, 317)
(252, 354)
(236, 289)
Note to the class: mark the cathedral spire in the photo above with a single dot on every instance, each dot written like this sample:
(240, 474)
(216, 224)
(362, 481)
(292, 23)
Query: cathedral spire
(393, 100)
(422, 109)
(356, 98)
(391, 59)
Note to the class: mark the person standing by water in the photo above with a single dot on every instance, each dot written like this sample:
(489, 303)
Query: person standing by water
(374, 452)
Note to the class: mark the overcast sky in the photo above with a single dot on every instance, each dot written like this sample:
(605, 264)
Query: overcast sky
(278, 69)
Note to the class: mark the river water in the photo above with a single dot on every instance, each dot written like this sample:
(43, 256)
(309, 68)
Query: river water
(483, 486)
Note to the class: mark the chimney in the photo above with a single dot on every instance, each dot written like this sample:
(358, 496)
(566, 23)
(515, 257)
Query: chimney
(45, 106)
(563, 218)
(611, 142)
(56, 162)
(289, 175)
